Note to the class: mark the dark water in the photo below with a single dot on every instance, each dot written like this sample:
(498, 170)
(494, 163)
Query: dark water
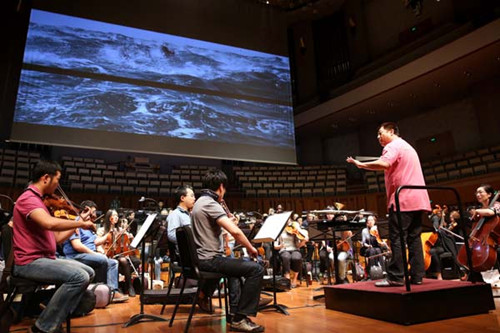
(61, 100)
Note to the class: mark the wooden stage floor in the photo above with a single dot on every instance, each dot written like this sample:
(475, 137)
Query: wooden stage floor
(305, 315)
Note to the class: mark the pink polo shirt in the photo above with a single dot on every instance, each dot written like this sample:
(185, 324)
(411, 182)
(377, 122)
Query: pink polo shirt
(30, 241)
(404, 169)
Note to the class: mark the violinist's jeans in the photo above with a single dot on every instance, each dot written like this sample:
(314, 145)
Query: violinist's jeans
(251, 271)
(412, 228)
(101, 263)
(73, 278)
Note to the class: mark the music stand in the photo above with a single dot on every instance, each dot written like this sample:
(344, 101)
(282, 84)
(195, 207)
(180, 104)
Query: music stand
(141, 238)
(269, 232)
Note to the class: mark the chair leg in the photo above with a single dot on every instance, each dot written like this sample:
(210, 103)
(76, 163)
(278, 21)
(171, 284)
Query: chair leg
(170, 286)
(178, 302)
(195, 300)
(8, 302)
(68, 324)
(220, 298)
(226, 297)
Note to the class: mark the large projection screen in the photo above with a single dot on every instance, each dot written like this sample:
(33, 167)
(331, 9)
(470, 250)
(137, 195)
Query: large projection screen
(92, 84)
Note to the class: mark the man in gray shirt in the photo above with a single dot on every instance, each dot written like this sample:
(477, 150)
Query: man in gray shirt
(180, 216)
(208, 219)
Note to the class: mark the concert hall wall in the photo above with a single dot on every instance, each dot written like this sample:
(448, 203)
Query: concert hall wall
(471, 120)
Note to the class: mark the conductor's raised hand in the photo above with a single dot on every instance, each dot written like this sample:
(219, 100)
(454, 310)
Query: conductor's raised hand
(351, 160)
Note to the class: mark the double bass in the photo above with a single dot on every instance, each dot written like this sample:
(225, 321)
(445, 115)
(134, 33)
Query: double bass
(483, 242)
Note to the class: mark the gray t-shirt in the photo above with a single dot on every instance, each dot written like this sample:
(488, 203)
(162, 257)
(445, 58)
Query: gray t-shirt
(206, 231)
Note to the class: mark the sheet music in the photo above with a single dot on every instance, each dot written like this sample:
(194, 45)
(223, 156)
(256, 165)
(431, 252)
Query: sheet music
(272, 228)
(144, 228)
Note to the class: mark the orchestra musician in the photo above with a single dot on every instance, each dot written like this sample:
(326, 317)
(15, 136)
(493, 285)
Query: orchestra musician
(35, 234)
(345, 252)
(82, 245)
(372, 246)
(401, 166)
(180, 216)
(208, 219)
(117, 239)
(290, 241)
(325, 261)
(484, 195)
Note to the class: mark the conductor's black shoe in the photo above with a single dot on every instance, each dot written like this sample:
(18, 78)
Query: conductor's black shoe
(389, 283)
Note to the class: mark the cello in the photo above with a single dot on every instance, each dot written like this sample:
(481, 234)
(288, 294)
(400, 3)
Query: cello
(482, 242)
(429, 243)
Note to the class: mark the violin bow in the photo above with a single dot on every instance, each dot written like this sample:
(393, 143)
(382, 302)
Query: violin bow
(66, 198)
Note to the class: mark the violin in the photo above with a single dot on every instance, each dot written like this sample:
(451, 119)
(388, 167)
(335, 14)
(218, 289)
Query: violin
(62, 206)
(374, 232)
(343, 245)
(294, 229)
(118, 243)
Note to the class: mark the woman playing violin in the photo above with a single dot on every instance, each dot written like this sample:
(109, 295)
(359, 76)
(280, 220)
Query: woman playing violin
(116, 240)
(344, 248)
(372, 245)
(289, 243)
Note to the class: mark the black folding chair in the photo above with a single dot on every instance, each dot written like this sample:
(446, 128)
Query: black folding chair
(188, 260)
(16, 285)
(173, 269)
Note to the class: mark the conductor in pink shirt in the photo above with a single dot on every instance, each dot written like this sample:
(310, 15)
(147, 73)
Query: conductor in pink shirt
(401, 166)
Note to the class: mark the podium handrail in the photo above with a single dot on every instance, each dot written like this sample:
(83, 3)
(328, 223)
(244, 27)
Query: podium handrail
(400, 227)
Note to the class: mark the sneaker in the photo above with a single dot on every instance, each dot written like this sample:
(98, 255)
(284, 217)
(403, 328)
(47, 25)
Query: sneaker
(118, 297)
(245, 325)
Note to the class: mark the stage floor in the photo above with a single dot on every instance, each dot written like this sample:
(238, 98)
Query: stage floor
(305, 314)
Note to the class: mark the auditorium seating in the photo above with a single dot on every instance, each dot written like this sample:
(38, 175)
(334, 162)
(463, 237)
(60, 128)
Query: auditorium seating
(290, 181)
(85, 174)
(15, 166)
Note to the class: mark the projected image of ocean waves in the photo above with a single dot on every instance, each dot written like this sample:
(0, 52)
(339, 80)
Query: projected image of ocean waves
(76, 102)
(137, 54)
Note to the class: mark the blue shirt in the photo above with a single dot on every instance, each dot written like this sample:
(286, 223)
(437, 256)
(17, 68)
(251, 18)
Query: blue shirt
(177, 218)
(87, 237)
